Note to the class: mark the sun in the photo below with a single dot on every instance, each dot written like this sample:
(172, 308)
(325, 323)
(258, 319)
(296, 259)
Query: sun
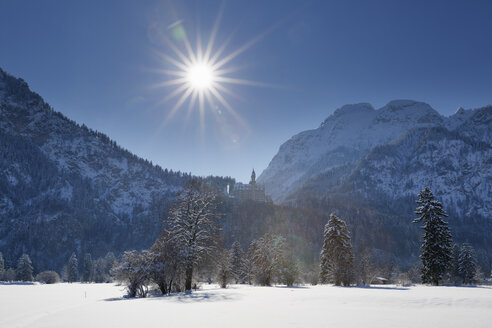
(200, 76)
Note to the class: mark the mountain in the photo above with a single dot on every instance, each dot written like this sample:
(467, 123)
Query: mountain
(346, 136)
(65, 188)
(377, 160)
(357, 135)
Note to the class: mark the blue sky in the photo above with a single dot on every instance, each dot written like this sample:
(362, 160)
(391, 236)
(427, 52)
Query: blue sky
(95, 61)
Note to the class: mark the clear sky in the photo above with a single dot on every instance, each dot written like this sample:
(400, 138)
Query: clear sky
(97, 62)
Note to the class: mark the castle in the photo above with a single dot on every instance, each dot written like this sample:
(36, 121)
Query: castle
(251, 191)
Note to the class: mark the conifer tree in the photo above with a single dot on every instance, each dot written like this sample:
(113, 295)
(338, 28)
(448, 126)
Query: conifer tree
(237, 262)
(454, 271)
(88, 268)
(336, 258)
(467, 264)
(436, 246)
(73, 268)
(2, 266)
(24, 268)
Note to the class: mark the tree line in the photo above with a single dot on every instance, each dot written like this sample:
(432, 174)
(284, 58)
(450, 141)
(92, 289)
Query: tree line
(190, 249)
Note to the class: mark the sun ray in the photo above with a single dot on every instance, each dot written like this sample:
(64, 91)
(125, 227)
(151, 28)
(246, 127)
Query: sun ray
(213, 35)
(170, 82)
(242, 82)
(199, 50)
(174, 62)
(178, 52)
(173, 72)
(180, 102)
(238, 51)
(191, 54)
(231, 111)
(223, 89)
(202, 110)
(191, 105)
(233, 69)
(176, 92)
(221, 49)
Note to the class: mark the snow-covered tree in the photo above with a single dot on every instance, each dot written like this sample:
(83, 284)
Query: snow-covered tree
(88, 268)
(9, 275)
(467, 264)
(165, 267)
(224, 272)
(454, 270)
(336, 258)
(48, 277)
(24, 268)
(2, 266)
(436, 246)
(365, 269)
(237, 269)
(193, 228)
(247, 265)
(268, 252)
(288, 272)
(134, 271)
(73, 268)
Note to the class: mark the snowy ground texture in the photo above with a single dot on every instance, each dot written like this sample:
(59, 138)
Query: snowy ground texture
(102, 305)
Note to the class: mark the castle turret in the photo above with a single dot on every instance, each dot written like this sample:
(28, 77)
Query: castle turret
(253, 178)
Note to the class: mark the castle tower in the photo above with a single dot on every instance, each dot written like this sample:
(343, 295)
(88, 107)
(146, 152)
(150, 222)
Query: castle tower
(253, 178)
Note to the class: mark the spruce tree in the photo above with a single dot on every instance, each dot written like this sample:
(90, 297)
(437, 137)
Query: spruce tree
(237, 262)
(436, 246)
(336, 258)
(467, 264)
(24, 269)
(88, 268)
(73, 268)
(454, 270)
(2, 266)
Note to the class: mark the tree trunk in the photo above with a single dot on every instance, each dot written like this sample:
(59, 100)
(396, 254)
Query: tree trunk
(189, 275)
(163, 287)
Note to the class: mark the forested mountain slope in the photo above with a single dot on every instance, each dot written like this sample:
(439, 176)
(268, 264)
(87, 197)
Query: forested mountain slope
(65, 188)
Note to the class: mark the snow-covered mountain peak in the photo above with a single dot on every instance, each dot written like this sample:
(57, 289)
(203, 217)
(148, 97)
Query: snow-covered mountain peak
(408, 111)
(352, 131)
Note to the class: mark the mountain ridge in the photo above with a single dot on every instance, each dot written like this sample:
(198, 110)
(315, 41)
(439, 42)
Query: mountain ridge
(349, 134)
(59, 176)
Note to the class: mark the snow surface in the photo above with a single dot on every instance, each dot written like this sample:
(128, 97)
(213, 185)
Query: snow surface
(102, 305)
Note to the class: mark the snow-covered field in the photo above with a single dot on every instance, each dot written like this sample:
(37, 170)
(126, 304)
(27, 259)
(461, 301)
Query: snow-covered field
(102, 305)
